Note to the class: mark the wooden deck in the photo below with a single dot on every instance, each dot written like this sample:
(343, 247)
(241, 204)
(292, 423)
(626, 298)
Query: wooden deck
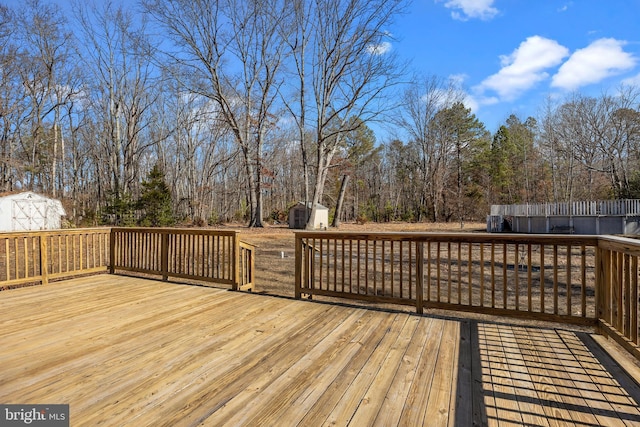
(126, 351)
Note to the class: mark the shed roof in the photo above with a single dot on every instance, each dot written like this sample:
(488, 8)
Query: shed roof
(309, 205)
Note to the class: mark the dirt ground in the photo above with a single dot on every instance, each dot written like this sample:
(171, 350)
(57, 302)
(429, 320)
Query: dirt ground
(276, 248)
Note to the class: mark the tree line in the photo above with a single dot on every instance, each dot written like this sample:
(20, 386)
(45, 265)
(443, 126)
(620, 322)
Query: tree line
(209, 111)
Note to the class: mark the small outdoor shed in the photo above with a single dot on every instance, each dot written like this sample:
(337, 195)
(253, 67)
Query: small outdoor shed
(30, 211)
(299, 213)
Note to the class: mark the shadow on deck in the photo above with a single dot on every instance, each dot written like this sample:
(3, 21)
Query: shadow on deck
(129, 351)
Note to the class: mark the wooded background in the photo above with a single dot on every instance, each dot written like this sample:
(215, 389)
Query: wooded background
(206, 111)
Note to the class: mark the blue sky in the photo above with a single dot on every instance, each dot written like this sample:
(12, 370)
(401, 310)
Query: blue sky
(511, 55)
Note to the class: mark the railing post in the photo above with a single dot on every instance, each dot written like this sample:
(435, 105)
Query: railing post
(112, 251)
(420, 277)
(44, 268)
(252, 268)
(298, 267)
(164, 255)
(235, 263)
(602, 277)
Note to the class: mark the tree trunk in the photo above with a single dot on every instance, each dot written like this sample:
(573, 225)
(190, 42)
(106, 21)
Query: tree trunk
(343, 190)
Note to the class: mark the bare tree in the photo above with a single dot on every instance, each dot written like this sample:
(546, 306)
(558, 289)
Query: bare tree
(44, 53)
(340, 52)
(10, 100)
(192, 144)
(594, 139)
(422, 101)
(120, 96)
(231, 52)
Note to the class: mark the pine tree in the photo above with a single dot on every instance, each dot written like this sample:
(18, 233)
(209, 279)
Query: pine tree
(155, 201)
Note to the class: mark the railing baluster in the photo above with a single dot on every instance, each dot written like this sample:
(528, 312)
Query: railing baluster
(449, 272)
(335, 264)
(481, 274)
(401, 268)
(375, 267)
(542, 284)
(391, 264)
(438, 274)
(568, 280)
(555, 279)
(459, 267)
(504, 275)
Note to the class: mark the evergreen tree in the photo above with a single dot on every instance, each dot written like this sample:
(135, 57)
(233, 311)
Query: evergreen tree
(119, 210)
(457, 130)
(155, 201)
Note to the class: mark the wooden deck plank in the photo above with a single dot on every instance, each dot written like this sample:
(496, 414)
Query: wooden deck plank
(324, 379)
(485, 386)
(508, 410)
(355, 394)
(609, 383)
(378, 390)
(390, 412)
(566, 364)
(54, 356)
(442, 392)
(524, 389)
(347, 372)
(251, 397)
(542, 375)
(312, 375)
(212, 364)
(413, 411)
(594, 400)
(323, 367)
(480, 416)
(150, 349)
(461, 412)
(128, 351)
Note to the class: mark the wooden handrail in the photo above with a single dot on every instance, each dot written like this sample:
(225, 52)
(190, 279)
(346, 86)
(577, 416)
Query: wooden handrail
(40, 256)
(216, 256)
(514, 274)
(202, 254)
(246, 266)
(618, 307)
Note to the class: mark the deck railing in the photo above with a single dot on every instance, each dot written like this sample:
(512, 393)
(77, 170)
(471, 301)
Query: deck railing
(40, 256)
(544, 277)
(207, 255)
(617, 278)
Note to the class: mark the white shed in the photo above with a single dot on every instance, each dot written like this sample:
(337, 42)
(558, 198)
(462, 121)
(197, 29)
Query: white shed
(299, 213)
(30, 211)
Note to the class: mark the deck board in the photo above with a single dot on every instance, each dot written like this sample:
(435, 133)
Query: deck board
(128, 351)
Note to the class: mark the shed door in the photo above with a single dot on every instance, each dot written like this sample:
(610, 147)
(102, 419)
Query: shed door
(29, 215)
(299, 219)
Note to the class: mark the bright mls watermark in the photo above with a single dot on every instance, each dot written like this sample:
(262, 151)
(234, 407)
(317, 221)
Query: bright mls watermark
(34, 415)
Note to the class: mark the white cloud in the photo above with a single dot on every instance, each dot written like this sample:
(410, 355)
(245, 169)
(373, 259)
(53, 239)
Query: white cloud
(466, 9)
(379, 49)
(601, 59)
(632, 81)
(458, 79)
(524, 67)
